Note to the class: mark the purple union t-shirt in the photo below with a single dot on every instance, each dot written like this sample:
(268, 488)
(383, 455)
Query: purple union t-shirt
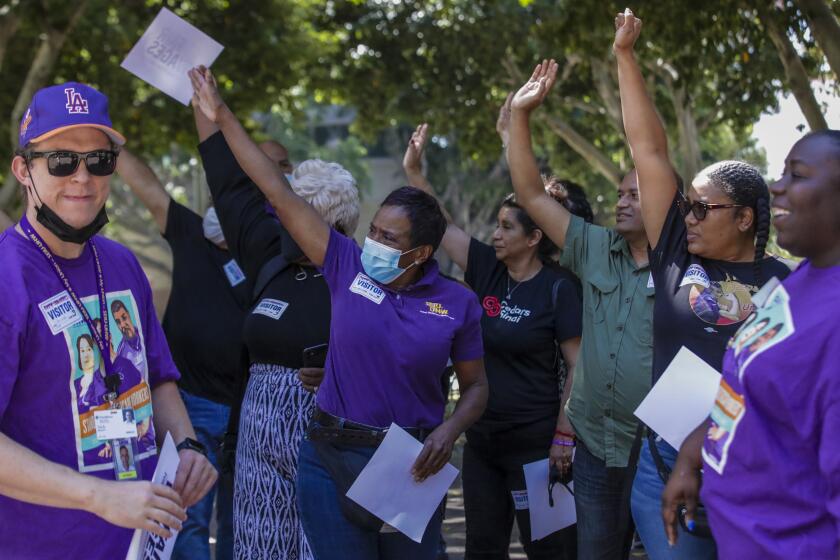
(52, 380)
(388, 349)
(772, 454)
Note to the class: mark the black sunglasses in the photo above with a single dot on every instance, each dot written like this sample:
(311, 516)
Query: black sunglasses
(64, 163)
(699, 208)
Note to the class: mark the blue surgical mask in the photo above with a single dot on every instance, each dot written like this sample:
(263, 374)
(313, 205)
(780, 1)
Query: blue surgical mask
(382, 263)
(290, 178)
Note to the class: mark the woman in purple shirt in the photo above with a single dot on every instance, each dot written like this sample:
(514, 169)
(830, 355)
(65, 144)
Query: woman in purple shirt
(768, 453)
(395, 323)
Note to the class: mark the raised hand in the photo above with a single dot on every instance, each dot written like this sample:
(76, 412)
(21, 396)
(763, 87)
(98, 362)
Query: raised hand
(503, 122)
(627, 30)
(412, 160)
(531, 95)
(206, 92)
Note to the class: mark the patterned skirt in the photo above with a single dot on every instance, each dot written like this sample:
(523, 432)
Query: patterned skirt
(275, 412)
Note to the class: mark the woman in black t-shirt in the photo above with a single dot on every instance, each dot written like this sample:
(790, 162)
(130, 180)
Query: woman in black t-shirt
(707, 260)
(290, 313)
(531, 329)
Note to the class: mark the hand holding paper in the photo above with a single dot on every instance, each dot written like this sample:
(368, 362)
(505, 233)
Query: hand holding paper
(206, 92)
(387, 489)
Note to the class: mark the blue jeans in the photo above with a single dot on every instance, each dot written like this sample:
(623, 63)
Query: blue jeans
(603, 533)
(332, 537)
(646, 503)
(210, 420)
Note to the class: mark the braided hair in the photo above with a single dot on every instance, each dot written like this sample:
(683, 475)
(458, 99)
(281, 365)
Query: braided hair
(744, 184)
(575, 202)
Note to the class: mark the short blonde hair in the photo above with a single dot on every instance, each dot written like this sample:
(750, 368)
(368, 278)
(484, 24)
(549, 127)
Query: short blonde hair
(331, 190)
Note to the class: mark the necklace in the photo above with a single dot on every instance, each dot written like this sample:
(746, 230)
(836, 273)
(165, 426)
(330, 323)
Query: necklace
(303, 274)
(509, 291)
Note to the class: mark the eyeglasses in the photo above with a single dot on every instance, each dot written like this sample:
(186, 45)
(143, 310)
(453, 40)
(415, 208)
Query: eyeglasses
(699, 208)
(64, 163)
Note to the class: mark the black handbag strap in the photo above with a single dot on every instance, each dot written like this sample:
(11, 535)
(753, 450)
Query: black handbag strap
(663, 469)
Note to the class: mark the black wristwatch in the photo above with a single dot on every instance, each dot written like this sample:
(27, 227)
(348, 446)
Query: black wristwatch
(190, 443)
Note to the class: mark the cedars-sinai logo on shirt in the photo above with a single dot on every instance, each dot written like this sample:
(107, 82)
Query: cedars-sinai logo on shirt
(492, 306)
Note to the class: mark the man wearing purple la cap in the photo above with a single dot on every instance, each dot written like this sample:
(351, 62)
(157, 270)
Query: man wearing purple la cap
(59, 494)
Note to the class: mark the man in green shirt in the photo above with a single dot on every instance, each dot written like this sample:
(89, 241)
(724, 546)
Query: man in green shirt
(613, 372)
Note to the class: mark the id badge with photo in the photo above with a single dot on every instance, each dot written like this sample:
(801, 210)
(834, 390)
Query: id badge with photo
(118, 427)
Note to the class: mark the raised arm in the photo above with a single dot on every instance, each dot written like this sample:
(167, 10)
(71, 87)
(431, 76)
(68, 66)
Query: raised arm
(547, 213)
(145, 185)
(455, 242)
(645, 133)
(303, 222)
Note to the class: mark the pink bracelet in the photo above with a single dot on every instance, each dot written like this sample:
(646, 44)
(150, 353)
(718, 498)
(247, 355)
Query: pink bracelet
(563, 443)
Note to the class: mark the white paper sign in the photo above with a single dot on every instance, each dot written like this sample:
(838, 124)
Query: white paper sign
(386, 488)
(546, 519)
(144, 545)
(168, 48)
(681, 399)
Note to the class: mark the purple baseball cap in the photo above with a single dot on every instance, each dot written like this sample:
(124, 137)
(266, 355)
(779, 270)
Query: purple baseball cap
(58, 108)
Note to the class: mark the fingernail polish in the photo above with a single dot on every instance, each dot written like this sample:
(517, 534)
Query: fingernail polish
(689, 523)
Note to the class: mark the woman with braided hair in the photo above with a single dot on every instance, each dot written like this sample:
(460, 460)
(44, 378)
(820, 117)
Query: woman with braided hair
(707, 260)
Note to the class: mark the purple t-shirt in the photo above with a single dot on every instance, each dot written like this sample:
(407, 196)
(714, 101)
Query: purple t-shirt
(388, 349)
(52, 380)
(772, 455)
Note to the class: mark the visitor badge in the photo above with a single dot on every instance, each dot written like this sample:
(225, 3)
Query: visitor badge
(115, 424)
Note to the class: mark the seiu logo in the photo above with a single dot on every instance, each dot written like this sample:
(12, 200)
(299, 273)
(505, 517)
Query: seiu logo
(76, 104)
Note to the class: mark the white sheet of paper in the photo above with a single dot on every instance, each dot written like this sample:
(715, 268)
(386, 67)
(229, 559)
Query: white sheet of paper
(144, 545)
(386, 488)
(544, 518)
(681, 399)
(168, 48)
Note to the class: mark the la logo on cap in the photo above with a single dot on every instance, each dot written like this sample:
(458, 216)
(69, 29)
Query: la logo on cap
(76, 104)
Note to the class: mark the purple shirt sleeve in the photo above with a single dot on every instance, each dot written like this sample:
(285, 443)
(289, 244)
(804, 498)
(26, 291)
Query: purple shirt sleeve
(9, 362)
(340, 260)
(829, 457)
(467, 344)
(161, 367)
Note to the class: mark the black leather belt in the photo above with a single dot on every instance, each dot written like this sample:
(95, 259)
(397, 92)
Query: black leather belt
(326, 427)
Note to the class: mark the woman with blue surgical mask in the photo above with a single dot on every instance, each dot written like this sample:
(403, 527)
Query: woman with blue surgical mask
(395, 322)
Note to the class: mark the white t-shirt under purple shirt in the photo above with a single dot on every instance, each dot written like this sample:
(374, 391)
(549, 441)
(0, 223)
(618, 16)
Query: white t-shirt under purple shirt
(52, 380)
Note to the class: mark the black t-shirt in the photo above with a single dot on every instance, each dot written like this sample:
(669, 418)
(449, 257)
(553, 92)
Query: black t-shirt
(700, 303)
(521, 336)
(206, 309)
(293, 310)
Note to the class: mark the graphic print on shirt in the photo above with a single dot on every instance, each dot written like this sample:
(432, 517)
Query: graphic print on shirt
(717, 303)
(503, 310)
(768, 326)
(87, 378)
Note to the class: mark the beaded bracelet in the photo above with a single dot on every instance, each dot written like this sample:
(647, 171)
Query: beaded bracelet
(563, 443)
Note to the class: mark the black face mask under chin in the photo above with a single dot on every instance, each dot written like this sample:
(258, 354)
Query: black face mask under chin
(64, 231)
(61, 229)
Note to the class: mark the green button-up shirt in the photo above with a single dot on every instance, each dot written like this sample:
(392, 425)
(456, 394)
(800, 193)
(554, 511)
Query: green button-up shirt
(613, 372)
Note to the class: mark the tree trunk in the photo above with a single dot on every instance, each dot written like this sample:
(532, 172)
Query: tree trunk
(797, 76)
(8, 27)
(689, 137)
(826, 30)
(607, 86)
(39, 71)
(595, 157)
